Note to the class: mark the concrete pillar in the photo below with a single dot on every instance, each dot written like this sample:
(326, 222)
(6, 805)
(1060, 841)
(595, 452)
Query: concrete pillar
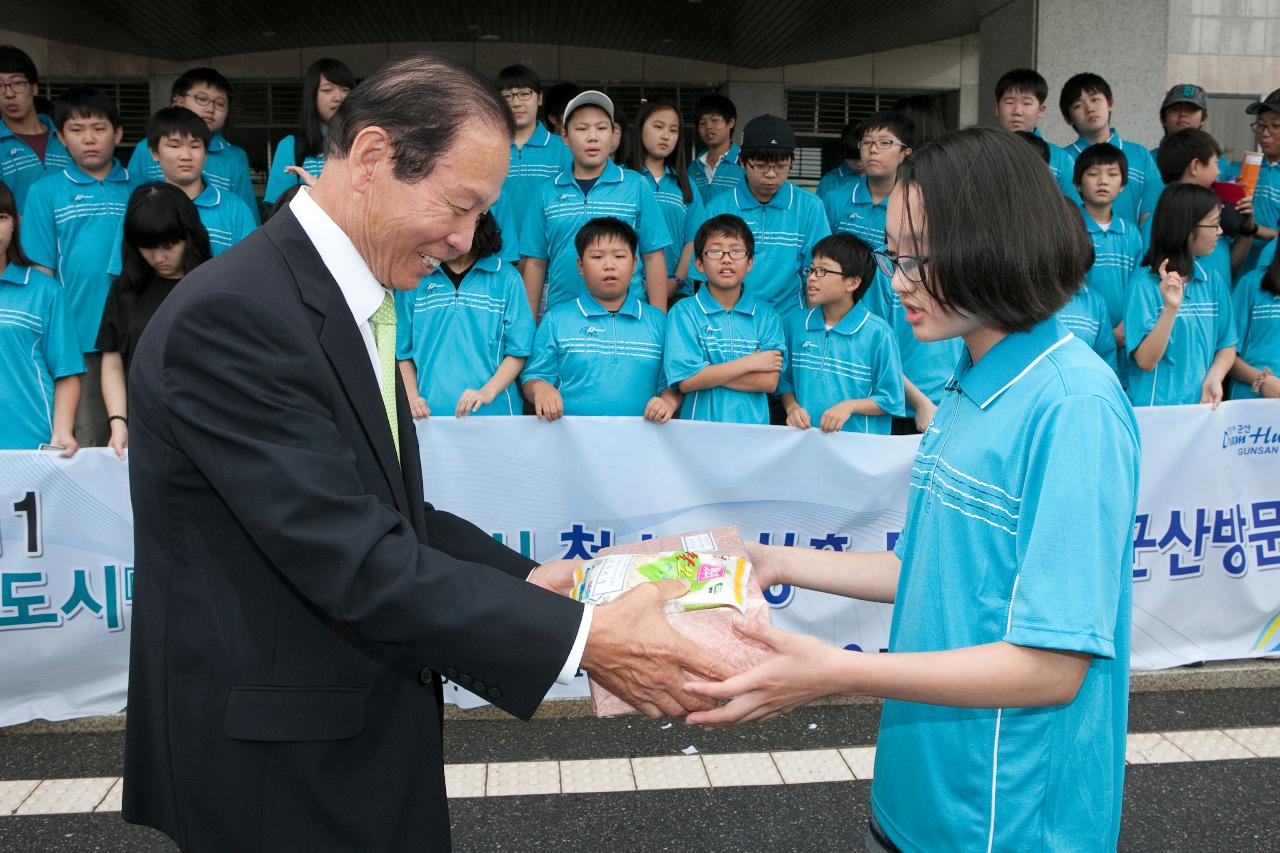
(1125, 43)
(161, 90)
(756, 98)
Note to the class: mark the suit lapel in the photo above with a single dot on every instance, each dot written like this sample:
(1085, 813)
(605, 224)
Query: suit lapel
(343, 345)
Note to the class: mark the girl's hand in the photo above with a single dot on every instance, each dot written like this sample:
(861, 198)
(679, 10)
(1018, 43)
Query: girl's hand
(471, 401)
(1271, 387)
(119, 438)
(301, 174)
(1245, 208)
(658, 410)
(834, 418)
(801, 670)
(1171, 286)
(419, 409)
(798, 418)
(1211, 391)
(924, 416)
(64, 439)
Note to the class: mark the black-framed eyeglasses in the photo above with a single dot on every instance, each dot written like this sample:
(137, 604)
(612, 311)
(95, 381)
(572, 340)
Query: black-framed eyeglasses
(15, 86)
(204, 100)
(521, 95)
(1263, 128)
(765, 168)
(716, 254)
(880, 144)
(821, 272)
(911, 266)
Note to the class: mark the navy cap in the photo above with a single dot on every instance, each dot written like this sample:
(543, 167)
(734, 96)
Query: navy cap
(1270, 102)
(769, 132)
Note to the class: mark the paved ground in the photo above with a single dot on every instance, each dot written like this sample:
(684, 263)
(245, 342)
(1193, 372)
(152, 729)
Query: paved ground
(1212, 795)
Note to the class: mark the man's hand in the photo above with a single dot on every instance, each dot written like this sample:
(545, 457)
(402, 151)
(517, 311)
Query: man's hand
(634, 653)
(556, 575)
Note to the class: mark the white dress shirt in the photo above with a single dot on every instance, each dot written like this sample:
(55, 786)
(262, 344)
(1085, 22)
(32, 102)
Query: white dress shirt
(364, 294)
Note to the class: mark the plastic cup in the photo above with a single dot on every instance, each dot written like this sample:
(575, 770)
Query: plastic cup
(1249, 171)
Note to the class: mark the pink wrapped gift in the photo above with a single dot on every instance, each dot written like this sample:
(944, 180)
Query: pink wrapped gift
(712, 628)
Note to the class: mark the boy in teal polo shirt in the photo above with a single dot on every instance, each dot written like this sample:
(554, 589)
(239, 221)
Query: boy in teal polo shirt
(176, 138)
(1266, 195)
(844, 373)
(464, 333)
(1021, 102)
(1086, 103)
(594, 187)
(1006, 680)
(1185, 106)
(1100, 174)
(717, 169)
(207, 94)
(726, 350)
(850, 167)
(785, 221)
(886, 140)
(40, 360)
(537, 155)
(601, 354)
(29, 144)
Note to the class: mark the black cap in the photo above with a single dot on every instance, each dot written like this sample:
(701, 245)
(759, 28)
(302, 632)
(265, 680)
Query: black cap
(1270, 102)
(768, 132)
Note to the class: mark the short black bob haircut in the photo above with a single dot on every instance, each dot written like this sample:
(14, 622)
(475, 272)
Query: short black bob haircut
(192, 77)
(518, 77)
(9, 206)
(14, 60)
(159, 215)
(724, 225)
(1101, 154)
(715, 105)
(605, 228)
(1179, 211)
(1178, 150)
(85, 102)
(852, 256)
(310, 139)
(1036, 142)
(176, 121)
(488, 237)
(1023, 80)
(421, 102)
(1079, 85)
(898, 123)
(977, 186)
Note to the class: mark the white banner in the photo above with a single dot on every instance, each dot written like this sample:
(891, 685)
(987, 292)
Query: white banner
(1207, 539)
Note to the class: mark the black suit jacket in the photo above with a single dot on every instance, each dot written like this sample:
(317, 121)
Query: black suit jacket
(293, 598)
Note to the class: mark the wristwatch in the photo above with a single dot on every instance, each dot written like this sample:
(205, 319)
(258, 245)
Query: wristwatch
(1251, 231)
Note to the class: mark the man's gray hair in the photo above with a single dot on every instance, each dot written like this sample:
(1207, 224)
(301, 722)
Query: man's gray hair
(420, 101)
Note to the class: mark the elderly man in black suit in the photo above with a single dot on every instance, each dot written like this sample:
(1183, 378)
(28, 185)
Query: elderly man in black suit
(294, 599)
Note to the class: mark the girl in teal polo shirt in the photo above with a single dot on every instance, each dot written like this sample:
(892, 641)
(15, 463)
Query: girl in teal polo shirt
(1006, 677)
(1256, 372)
(1178, 326)
(299, 157)
(40, 361)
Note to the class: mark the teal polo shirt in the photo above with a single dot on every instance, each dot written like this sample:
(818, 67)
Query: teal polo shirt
(278, 180)
(1086, 317)
(1257, 317)
(785, 230)
(727, 174)
(225, 167)
(700, 333)
(1142, 190)
(853, 211)
(226, 219)
(928, 364)
(855, 359)
(1266, 210)
(457, 337)
(71, 225)
(539, 160)
(1117, 250)
(38, 346)
(1062, 166)
(505, 218)
(835, 180)
(21, 167)
(550, 226)
(998, 545)
(602, 362)
(1203, 326)
(682, 217)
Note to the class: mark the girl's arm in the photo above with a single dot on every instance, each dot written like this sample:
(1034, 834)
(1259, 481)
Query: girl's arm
(409, 376)
(865, 575)
(1152, 348)
(507, 371)
(1211, 388)
(682, 265)
(920, 402)
(1242, 371)
(66, 396)
(534, 273)
(116, 400)
(655, 279)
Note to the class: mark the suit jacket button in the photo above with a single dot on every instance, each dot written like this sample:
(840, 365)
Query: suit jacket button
(426, 675)
(494, 693)
(477, 688)
(465, 680)
(450, 673)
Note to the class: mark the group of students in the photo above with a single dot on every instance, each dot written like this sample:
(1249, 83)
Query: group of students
(618, 274)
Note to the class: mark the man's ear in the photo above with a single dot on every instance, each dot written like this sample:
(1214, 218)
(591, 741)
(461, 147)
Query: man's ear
(370, 150)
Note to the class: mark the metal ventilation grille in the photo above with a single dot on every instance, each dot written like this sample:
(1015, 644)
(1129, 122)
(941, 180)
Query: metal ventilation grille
(823, 112)
(132, 97)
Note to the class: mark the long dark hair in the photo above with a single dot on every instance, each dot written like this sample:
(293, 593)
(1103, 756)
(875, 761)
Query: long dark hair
(309, 140)
(677, 160)
(159, 215)
(1179, 211)
(978, 186)
(8, 204)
